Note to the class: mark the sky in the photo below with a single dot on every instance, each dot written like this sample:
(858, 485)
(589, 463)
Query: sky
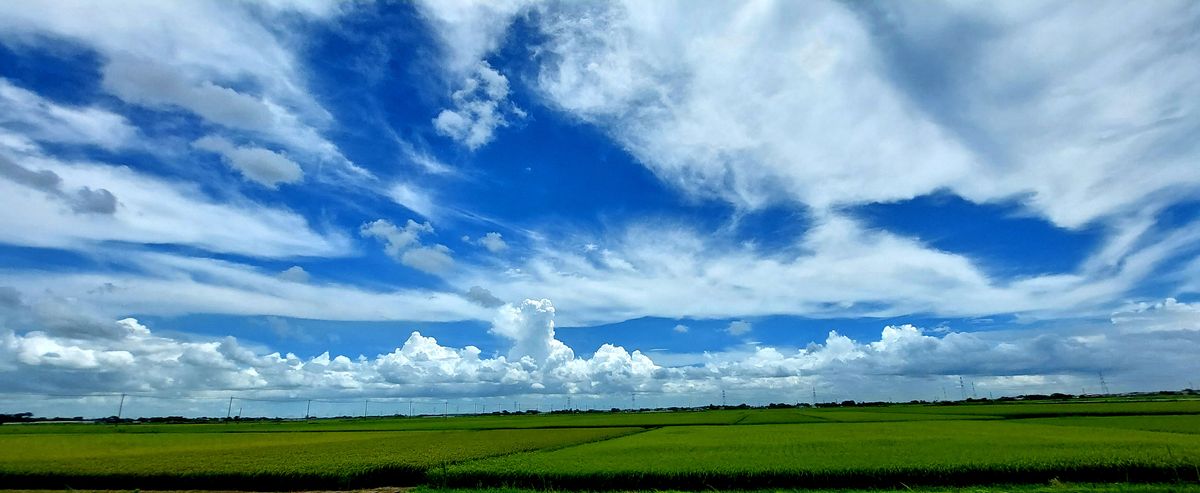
(454, 205)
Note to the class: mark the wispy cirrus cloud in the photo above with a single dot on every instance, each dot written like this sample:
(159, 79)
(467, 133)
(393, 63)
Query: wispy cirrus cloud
(218, 62)
(143, 208)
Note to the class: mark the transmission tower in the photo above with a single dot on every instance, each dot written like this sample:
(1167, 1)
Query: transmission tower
(1103, 384)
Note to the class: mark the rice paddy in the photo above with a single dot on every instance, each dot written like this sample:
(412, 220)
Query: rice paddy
(872, 447)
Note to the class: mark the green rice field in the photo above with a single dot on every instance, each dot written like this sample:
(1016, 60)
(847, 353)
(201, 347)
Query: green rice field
(900, 446)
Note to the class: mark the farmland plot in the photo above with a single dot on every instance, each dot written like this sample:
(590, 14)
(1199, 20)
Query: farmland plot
(843, 455)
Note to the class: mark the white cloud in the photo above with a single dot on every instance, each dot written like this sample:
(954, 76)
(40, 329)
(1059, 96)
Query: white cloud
(263, 166)
(478, 108)
(838, 268)
(492, 241)
(404, 245)
(151, 211)
(680, 328)
(903, 363)
(83, 200)
(424, 160)
(414, 199)
(1167, 315)
(170, 285)
(29, 114)
(738, 327)
(754, 104)
(433, 259)
(218, 61)
(469, 30)
(295, 273)
(828, 104)
(483, 297)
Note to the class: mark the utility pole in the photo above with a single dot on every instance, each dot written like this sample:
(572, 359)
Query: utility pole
(229, 412)
(365, 407)
(308, 410)
(121, 407)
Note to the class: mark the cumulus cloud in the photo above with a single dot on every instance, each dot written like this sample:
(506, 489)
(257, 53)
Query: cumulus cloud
(434, 259)
(263, 166)
(905, 362)
(680, 329)
(295, 273)
(404, 245)
(82, 200)
(492, 241)
(530, 326)
(1166, 315)
(738, 327)
(483, 297)
(131, 356)
(479, 107)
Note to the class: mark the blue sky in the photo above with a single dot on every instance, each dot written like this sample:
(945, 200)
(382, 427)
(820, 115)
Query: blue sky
(592, 199)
